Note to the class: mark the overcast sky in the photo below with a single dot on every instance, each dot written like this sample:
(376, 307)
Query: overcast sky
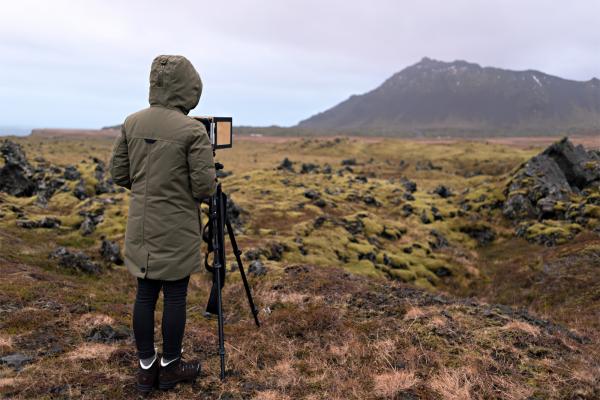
(86, 63)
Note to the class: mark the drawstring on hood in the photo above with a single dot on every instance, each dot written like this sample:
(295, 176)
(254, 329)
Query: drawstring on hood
(174, 83)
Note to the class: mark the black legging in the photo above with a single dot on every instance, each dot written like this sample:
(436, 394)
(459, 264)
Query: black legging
(173, 321)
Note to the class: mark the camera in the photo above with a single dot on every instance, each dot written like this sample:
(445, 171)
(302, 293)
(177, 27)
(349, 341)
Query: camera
(220, 131)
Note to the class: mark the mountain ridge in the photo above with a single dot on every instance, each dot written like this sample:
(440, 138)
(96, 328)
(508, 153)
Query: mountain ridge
(434, 95)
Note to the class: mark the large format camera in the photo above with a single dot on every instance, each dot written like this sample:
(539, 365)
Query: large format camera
(220, 131)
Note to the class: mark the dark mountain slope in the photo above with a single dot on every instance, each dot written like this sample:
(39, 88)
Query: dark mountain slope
(435, 96)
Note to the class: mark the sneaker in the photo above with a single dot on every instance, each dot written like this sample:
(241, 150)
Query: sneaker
(177, 371)
(147, 378)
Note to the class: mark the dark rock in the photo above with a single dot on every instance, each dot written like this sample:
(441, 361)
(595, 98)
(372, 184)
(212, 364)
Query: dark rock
(90, 220)
(46, 188)
(371, 201)
(46, 222)
(111, 252)
(442, 191)
(286, 165)
(276, 251)
(409, 186)
(257, 268)
(548, 178)
(16, 176)
(435, 212)
(100, 168)
(327, 169)
(442, 272)
(308, 168)
(439, 242)
(235, 214)
(319, 221)
(408, 196)
(425, 218)
(108, 334)
(71, 173)
(253, 254)
(407, 210)
(16, 360)
(79, 190)
(483, 234)
(320, 203)
(349, 162)
(312, 194)
(354, 227)
(74, 260)
(104, 186)
(580, 167)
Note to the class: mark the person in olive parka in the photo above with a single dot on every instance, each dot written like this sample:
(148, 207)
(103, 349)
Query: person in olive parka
(165, 159)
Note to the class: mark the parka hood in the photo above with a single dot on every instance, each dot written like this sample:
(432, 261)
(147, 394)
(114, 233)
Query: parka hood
(174, 83)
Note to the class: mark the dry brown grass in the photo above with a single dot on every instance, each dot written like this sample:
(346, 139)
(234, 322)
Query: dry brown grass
(452, 384)
(523, 327)
(389, 384)
(91, 351)
(270, 395)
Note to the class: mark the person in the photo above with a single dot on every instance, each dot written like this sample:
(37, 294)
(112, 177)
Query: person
(165, 159)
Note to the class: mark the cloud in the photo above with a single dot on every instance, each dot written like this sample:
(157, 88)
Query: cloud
(85, 64)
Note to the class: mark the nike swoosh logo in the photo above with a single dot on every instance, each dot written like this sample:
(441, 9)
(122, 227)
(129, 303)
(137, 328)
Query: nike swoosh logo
(144, 366)
(163, 364)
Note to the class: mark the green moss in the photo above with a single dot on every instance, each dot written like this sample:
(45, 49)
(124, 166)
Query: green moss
(591, 211)
(424, 284)
(399, 261)
(402, 274)
(423, 272)
(361, 248)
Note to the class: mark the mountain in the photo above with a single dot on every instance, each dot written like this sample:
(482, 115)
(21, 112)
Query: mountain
(436, 97)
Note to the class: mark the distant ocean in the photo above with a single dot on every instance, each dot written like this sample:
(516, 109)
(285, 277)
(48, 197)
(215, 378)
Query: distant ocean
(14, 130)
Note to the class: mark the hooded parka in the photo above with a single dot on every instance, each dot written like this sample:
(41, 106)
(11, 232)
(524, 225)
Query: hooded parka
(165, 158)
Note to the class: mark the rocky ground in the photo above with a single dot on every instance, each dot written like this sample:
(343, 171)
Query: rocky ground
(379, 267)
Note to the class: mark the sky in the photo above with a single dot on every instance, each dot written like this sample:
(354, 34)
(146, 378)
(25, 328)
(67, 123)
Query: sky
(85, 64)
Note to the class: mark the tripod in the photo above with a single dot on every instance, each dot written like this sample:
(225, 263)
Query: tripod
(214, 236)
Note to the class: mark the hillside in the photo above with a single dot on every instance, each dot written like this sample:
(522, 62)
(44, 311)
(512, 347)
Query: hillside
(383, 269)
(462, 98)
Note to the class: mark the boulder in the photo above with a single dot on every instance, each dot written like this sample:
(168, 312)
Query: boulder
(74, 260)
(71, 173)
(90, 220)
(286, 165)
(79, 190)
(46, 222)
(409, 186)
(235, 214)
(111, 252)
(107, 334)
(312, 194)
(16, 176)
(442, 191)
(257, 268)
(439, 241)
(46, 187)
(16, 360)
(549, 179)
(307, 168)
(483, 234)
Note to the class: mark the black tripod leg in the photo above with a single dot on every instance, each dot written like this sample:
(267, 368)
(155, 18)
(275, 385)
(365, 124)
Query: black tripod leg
(238, 254)
(219, 265)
